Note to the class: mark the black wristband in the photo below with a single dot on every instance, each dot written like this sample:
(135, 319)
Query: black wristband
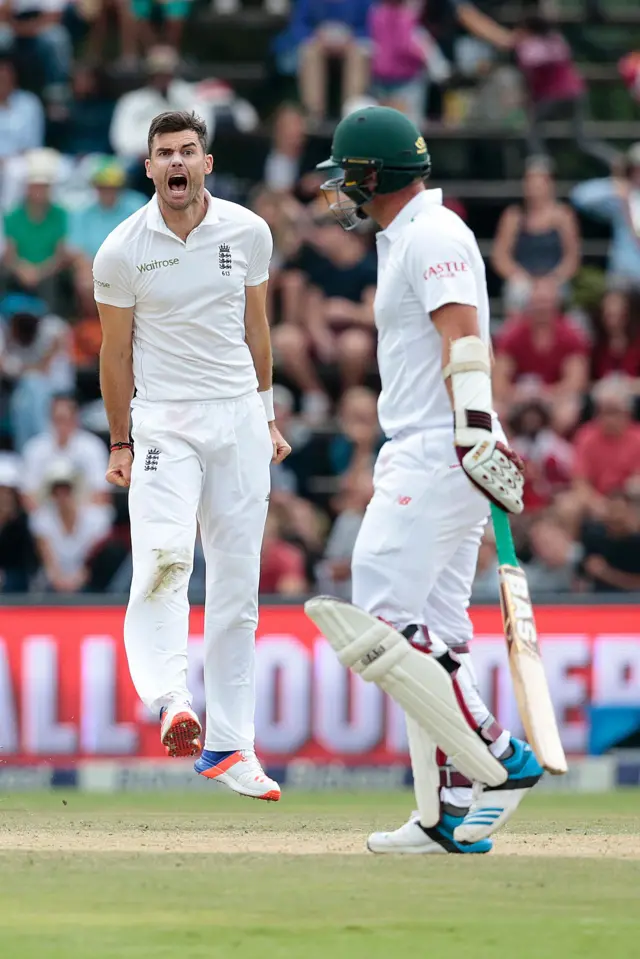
(121, 446)
(480, 420)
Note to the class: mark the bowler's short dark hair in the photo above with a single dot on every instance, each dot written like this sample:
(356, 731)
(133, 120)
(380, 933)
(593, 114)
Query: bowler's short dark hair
(175, 121)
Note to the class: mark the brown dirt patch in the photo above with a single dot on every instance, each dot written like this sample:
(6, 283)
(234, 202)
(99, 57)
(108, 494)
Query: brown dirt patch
(254, 842)
(603, 846)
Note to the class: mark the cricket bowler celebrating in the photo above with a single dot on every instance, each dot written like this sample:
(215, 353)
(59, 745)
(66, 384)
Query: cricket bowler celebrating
(181, 289)
(445, 460)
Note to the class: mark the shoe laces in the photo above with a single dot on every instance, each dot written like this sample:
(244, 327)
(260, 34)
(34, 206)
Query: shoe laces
(254, 766)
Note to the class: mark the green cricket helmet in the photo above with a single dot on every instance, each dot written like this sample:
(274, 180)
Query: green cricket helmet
(379, 150)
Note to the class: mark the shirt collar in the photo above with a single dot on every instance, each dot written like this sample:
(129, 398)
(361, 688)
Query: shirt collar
(155, 220)
(411, 210)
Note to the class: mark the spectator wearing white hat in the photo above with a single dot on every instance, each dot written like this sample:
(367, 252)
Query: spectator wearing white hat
(163, 91)
(35, 232)
(67, 531)
(17, 551)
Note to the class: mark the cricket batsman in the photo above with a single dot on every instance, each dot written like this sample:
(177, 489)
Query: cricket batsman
(445, 461)
(181, 289)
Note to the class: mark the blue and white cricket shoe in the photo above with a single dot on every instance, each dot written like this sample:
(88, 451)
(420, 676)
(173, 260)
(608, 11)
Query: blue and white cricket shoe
(414, 838)
(240, 770)
(494, 806)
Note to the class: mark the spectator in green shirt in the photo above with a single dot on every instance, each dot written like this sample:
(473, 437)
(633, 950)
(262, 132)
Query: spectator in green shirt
(36, 253)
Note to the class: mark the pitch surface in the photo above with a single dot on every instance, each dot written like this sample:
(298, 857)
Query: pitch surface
(195, 875)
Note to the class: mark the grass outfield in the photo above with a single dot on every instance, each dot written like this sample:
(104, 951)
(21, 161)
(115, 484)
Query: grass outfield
(202, 875)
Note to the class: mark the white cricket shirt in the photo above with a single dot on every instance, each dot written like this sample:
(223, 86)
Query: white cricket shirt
(427, 257)
(188, 299)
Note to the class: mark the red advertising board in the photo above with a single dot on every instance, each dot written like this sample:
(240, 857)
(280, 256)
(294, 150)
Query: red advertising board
(65, 691)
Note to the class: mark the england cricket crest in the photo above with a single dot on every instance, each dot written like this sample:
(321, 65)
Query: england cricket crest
(225, 259)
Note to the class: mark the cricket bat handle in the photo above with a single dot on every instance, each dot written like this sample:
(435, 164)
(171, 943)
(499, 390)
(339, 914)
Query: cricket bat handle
(504, 540)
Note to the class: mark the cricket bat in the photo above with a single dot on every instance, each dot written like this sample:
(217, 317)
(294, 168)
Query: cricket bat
(527, 671)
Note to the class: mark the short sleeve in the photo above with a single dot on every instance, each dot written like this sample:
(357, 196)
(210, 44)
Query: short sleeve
(258, 266)
(441, 274)
(111, 278)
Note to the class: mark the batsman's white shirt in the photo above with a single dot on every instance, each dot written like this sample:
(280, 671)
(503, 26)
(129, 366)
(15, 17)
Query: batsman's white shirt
(416, 553)
(427, 257)
(202, 453)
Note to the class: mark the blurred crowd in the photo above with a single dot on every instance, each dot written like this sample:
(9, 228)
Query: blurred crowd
(566, 337)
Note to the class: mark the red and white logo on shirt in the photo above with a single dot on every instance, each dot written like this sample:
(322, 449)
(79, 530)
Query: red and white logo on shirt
(445, 271)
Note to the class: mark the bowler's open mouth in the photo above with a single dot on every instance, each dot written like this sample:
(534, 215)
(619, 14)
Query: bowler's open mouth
(177, 182)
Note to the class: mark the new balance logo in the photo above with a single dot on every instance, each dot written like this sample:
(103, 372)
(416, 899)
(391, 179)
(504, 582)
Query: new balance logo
(404, 500)
(156, 265)
(151, 461)
(225, 259)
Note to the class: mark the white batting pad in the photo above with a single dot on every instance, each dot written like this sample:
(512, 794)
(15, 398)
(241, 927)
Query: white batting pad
(416, 681)
(426, 775)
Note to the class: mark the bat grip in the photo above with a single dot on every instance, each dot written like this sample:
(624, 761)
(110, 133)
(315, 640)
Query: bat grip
(504, 540)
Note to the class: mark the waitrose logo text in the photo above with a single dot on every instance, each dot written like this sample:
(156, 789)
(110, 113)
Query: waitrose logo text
(156, 265)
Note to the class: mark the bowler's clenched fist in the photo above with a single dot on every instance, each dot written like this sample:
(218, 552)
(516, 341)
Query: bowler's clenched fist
(281, 448)
(119, 468)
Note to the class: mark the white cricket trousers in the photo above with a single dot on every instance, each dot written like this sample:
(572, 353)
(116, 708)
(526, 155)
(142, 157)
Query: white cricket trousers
(416, 553)
(205, 463)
